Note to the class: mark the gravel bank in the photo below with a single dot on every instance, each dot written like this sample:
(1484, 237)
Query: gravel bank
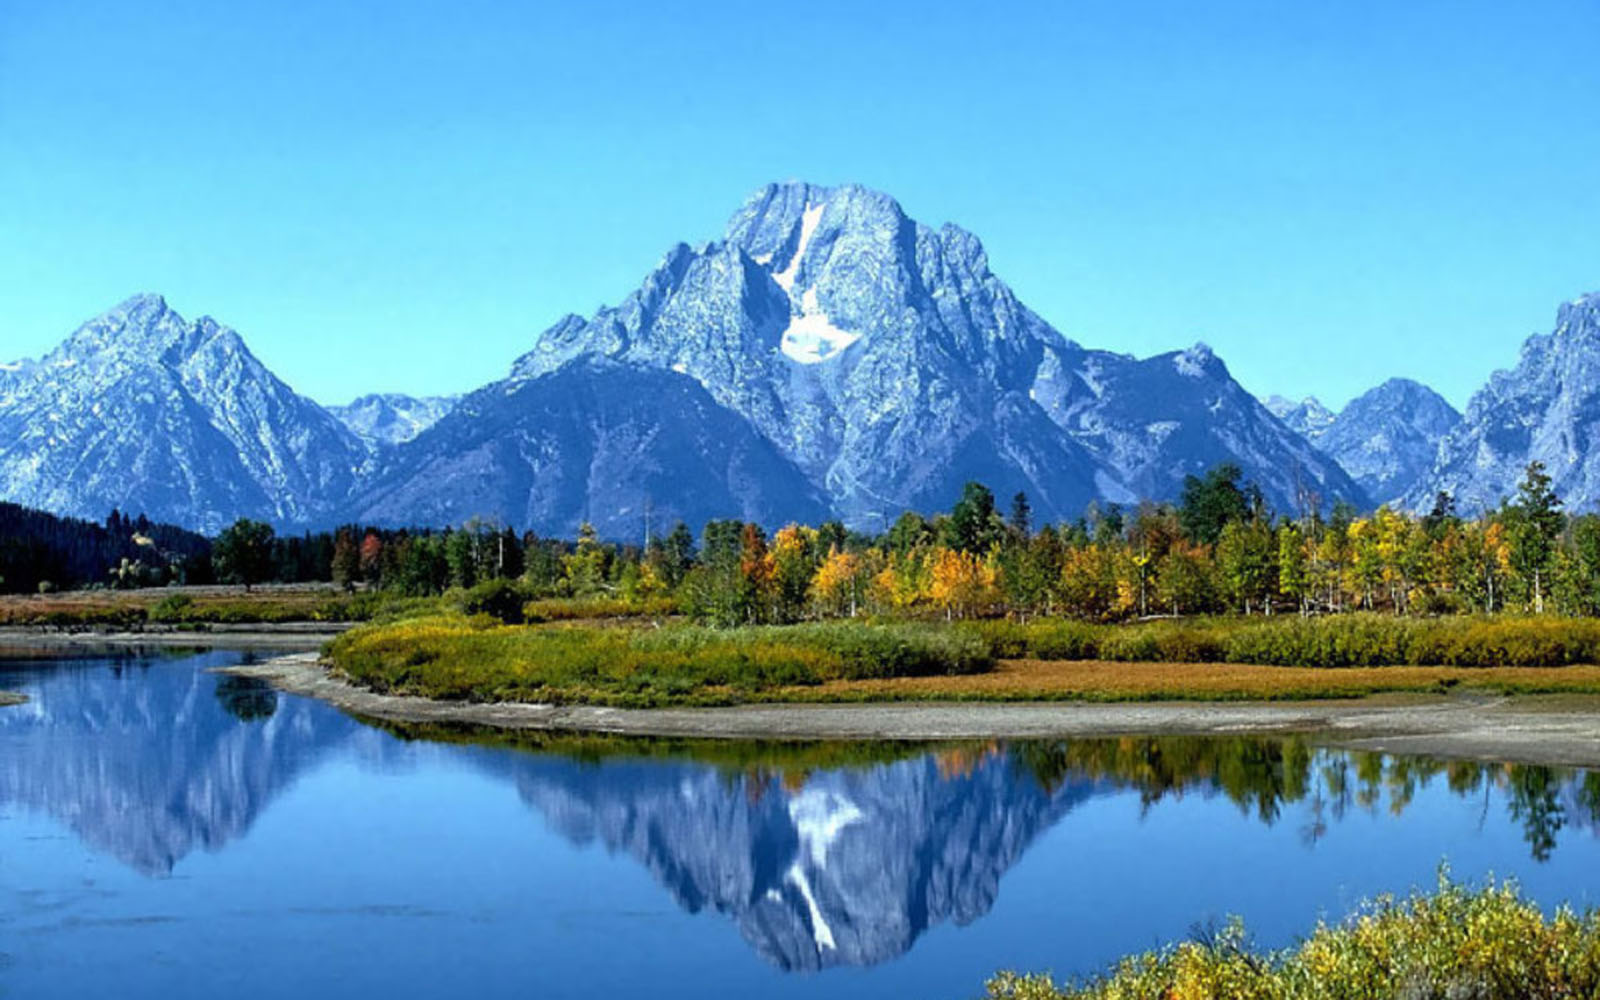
(1562, 730)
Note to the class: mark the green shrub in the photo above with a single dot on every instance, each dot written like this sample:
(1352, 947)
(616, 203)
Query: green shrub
(500, 599)
(172, 608)
(1489, 943)
(1351, 640)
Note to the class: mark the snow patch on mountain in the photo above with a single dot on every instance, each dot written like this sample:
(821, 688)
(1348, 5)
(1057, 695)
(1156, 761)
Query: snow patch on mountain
(809, 219)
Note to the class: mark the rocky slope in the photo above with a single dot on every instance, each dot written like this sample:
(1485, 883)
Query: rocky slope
(142, 410)
(1307, 418)
(1545, 409)
(1388, 437)
(598, 441)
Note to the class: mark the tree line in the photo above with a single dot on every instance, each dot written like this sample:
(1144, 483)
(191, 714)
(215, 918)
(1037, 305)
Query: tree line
(1217, 548)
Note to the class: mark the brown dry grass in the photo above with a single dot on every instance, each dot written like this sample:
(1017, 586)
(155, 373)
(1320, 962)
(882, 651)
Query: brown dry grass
(1098, 680)
(288, 602)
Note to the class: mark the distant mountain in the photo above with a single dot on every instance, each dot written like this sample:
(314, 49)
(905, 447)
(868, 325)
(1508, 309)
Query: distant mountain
(827, 357)
(882, 362)
(142, 410)
(1547, 409)
(392, 418)
(596, 441)
(1307, 418)
(1388, 437)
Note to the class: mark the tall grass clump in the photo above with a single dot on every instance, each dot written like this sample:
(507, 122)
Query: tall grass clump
(478, 659)
(1488, 943)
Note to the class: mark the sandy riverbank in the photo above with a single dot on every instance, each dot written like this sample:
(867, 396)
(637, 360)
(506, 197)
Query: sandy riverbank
(1555, 730)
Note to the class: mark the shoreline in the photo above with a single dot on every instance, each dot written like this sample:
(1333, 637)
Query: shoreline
(1550, 730)
(275, 636)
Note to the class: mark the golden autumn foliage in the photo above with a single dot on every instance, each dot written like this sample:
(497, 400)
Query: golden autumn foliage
(961, 583)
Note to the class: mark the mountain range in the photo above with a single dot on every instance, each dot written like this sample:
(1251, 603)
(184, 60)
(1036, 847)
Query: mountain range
(1386, 438)
(826, 357)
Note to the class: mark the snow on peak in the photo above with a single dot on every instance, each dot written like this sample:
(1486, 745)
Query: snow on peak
(811, 336)
(808, 225)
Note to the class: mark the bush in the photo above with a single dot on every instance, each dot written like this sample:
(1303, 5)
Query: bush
(1488, 943)
(172, 608)
(1353, 640)
(500, 599)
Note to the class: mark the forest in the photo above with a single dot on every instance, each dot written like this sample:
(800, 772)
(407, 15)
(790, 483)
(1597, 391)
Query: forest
(1216, 549)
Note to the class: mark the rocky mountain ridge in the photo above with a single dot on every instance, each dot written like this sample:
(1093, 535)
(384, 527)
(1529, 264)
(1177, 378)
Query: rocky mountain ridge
(828, 356)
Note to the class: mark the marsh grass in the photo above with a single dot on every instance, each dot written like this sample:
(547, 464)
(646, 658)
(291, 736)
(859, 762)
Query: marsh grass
(1354, 640)
(458, 658)
(451, 656)
(1113, 681)
(133, 609)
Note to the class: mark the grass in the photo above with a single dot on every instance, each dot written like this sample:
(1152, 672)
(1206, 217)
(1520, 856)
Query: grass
(453, 657)
(179, 606)
(1352, 640)
(1108, 681)
(1487, 943)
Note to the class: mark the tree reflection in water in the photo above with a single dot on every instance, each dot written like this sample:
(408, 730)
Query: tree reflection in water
(1263, 776)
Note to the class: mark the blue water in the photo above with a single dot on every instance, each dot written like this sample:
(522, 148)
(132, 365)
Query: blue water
(168, 832)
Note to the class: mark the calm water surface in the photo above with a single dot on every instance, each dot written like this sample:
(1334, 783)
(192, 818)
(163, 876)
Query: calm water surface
(168, 832)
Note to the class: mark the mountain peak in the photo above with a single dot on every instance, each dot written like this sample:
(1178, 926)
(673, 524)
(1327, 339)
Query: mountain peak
(1200, 361)
(1582, 313)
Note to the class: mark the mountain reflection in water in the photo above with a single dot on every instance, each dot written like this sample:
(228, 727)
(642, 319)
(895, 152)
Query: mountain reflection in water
(821, 854)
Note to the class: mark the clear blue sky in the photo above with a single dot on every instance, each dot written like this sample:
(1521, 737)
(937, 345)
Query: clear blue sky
(401, 195)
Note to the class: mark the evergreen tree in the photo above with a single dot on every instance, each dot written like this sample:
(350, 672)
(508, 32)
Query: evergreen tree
(1208, 505)
(243, 553)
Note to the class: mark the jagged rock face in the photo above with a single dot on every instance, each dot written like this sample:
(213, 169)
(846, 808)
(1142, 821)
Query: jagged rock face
(594, 441)
(849, 869)
(1307, 418)
(1387, 438)
(890, 365)
(142, 410)
(1546, 409)
(388, 419)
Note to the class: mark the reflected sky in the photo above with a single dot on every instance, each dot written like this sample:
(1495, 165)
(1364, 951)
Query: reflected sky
(166, 831)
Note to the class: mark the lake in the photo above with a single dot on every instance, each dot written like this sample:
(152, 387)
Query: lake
(170, 832)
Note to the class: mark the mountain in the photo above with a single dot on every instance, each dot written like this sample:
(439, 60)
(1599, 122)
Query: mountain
(596, 441)
(882, 363)
(1307, 418)
(1545, 409)
(391, 418)
(1387, 438)
(144, 411)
